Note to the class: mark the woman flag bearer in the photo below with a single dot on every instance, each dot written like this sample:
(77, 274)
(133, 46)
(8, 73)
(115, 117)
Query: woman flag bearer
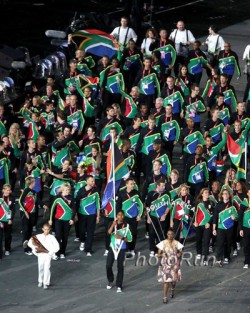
(170, 252)
(44, 246)
(120, 235)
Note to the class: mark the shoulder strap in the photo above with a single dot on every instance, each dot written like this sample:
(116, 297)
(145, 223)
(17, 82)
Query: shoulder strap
(217, 41)
(119, 29)
(126, 37)
(175, 35)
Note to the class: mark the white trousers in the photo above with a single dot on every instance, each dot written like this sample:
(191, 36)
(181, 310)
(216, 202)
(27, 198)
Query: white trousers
(44, 260)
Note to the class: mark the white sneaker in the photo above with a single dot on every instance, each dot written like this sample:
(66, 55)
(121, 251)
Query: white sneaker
(198, 257)
(147, 235)
(89, 254)
(62, 256)
(106, 253)
(218, 263)
(28, 252)
(77, 239)
(238, 246)
(45, 287)
(235, 253)
(40, 285)
(109, 286)
(245, 266)
(82, 246)
(152, 253)
(226, 261)
(205, 263)
(119, 290)
(132, 252)
(7, 253)
(55, 258)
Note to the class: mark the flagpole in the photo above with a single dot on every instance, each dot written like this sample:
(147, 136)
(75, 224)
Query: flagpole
(246, 159)
(113, 169)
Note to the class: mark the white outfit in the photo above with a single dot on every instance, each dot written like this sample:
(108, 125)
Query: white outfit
(215, 43)
(146, 44)
(124, 35)
(246, 54)
(181, 37)
(44, 259)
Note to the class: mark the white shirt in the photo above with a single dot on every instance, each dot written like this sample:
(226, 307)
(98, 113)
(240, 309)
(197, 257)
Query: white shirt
(246, 54)
(182, 36)
(214, 43)
(49, 242)
(145, 45)
(122, 35)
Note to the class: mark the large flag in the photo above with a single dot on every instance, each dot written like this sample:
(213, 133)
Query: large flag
(235, 150)
(115, 172)
(96, 42)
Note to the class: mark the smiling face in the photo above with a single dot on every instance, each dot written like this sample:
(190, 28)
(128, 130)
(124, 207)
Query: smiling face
(205, 195)
(181, 25)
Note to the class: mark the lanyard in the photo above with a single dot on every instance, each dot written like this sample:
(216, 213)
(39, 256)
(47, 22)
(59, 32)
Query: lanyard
(226, 54)
(190, 100)
(7, 200)
(148, 133)
(195, 161)
(65, 199)
(144, 71)
(168, 93)
(72, 111)
(185, 199)
(197, 55)
(222, 87)
(128, 195)
(162, 43)
(110, 121)
(170, 118)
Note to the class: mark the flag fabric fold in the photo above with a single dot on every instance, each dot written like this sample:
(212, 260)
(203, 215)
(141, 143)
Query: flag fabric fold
(115, 173)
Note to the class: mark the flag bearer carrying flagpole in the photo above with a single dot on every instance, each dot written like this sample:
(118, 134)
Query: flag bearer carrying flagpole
(120, 235)
(119, 230)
